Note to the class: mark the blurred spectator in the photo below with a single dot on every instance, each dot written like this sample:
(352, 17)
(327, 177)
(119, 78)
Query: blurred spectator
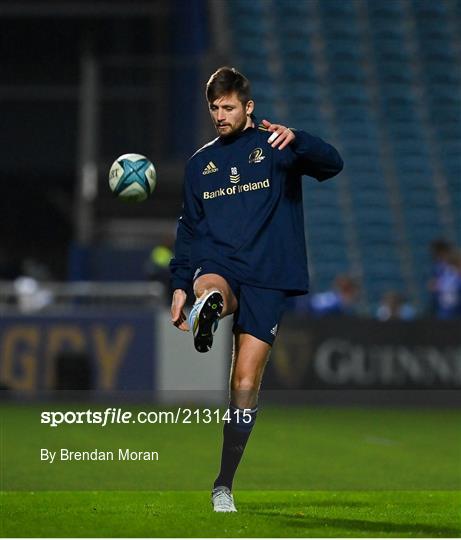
(393, 306)
(30, 295)
(445, 284)
(341, 300)
(440, 253)
(157, 266)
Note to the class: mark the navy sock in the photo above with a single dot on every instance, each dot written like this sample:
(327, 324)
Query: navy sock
(236, 433)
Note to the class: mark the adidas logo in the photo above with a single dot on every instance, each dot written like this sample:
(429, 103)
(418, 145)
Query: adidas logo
(210, 168)
(274, 330)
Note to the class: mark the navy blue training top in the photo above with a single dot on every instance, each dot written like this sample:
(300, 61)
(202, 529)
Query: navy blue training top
(243, 209)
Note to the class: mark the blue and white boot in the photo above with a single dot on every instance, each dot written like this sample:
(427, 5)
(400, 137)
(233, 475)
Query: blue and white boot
(204, 318)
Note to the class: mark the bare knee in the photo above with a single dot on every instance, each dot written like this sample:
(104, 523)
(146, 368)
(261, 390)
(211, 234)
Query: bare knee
(208, 282)
(244, 392)
(249, 359)
(201, 288)
(203, 284)
(245, 384)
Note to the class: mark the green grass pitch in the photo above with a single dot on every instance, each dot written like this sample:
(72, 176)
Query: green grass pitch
(307, 472)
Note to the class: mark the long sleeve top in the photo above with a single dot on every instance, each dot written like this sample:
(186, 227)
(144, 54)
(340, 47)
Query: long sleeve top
(243, 209)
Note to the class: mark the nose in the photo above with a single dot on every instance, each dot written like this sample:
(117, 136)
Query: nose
(221, 115)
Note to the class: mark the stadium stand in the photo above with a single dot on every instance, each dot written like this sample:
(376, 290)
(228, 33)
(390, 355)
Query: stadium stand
(382, 81)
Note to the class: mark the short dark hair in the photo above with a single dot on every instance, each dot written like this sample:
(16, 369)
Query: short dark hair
(225, 81)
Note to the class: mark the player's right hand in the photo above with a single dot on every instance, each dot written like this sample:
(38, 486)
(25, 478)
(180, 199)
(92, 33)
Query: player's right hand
(281, 135)
(178, 317)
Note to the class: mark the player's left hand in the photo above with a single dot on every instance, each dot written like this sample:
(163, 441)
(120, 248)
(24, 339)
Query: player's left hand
(281, 135)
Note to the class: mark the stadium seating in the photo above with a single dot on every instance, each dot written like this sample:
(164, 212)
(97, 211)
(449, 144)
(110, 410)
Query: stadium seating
(382, 81)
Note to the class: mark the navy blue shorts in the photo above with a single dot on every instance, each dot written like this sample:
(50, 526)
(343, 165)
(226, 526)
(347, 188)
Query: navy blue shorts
(259, 310)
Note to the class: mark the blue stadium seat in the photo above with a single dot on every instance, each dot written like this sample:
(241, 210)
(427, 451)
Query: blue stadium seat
(335, 27)
(341, 49)
(296, 47)
(245, 26)
(429, 10)
(294, 27)
(436, 55)
(393, 71)
(302, 89)
(389, 10)
(347, 72)
(338, 8)
(293, 9)
(374, 234)
(374, 215)
(356, 130)
(351, 93)
(371, 196)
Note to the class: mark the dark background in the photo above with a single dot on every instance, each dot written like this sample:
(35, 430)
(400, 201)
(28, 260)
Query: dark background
(148, 59)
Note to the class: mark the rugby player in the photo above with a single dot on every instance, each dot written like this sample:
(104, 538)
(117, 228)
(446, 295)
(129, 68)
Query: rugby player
(240, 244)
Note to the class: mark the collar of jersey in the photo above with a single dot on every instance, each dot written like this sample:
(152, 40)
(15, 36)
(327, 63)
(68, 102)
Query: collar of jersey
(241, 134)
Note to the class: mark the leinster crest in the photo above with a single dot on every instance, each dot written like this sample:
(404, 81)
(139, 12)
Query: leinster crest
(256, 156)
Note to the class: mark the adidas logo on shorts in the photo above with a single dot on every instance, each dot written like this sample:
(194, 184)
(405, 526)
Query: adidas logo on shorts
(210, 168)
(274, 330)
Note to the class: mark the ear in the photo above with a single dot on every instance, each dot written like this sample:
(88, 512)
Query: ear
(250, 107)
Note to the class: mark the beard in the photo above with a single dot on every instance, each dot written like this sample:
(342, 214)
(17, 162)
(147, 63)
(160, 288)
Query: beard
(234, 130)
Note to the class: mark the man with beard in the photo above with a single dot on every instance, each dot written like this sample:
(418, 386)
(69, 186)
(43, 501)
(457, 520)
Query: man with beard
(240, 243)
